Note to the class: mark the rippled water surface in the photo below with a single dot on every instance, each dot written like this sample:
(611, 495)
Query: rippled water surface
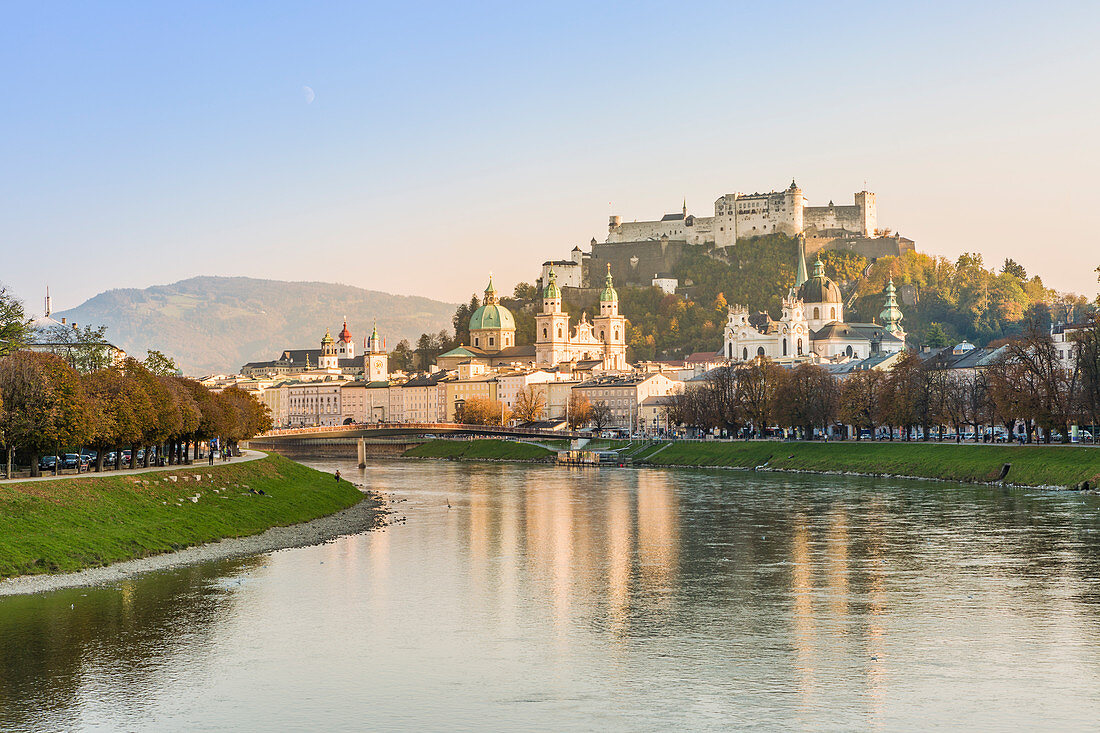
(548, 598)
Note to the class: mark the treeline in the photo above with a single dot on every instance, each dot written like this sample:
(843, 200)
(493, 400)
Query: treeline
(1027, 385)
(47, 406)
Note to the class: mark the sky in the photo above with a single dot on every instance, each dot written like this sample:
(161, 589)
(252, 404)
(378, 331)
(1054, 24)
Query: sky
(415, 147)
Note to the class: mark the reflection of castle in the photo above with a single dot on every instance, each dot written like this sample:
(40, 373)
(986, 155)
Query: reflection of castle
(812, 322)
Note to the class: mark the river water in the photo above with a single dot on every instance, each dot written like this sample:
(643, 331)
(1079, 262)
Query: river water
(581, 599)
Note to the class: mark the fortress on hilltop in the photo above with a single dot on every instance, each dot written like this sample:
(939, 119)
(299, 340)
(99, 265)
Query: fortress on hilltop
(740, 216)
(644, 253)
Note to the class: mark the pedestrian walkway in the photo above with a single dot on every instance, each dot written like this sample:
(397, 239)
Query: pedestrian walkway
(246, 455)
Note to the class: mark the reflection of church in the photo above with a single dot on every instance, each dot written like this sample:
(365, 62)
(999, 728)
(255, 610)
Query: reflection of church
(812, 323)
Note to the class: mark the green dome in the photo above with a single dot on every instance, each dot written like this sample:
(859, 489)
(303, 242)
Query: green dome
(608, 295)
(492, 315)
(819, 288)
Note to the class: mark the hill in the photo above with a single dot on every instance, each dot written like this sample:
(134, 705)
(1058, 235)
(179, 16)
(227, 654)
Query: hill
(216, 324)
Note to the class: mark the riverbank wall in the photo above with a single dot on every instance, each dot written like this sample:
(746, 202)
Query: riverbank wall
(1072, 467)
(65, 525)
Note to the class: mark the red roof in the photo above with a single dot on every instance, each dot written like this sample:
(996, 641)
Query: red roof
(345, 335)
(703, 357)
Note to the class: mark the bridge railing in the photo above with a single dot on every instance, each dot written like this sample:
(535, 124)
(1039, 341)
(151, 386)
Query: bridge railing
(419, 427)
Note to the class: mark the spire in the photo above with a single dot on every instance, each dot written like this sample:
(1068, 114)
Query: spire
(891, 314)
(819, 267)
(345, 334)
(801, 276)
(609, 295)
(552, 291)
(49, 303)
(685, 207)
(490, 292)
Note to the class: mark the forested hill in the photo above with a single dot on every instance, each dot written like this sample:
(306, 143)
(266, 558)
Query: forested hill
(216, 324)
(944, 301)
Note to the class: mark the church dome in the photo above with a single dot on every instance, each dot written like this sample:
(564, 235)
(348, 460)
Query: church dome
(493, 316)
(345, 334)
(819, 288)
(609, 295)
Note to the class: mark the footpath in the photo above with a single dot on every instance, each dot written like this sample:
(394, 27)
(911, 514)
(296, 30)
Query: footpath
(246, 455)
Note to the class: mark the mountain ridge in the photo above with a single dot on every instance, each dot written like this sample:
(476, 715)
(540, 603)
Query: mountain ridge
(214, 323)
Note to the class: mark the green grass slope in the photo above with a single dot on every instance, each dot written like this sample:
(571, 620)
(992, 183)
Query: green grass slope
(480, 450)
(1043, 465)
(70, 524)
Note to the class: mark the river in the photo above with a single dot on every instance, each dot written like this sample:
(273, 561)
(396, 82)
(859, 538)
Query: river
(524, 597)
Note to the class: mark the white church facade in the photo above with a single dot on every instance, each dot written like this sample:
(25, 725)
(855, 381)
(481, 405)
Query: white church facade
(812, 322)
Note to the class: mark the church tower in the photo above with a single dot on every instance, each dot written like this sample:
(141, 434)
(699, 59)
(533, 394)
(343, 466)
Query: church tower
(610, 327)
(345, 347)
(891, 314)
(376, 362)
(551, 326)
(328, 358)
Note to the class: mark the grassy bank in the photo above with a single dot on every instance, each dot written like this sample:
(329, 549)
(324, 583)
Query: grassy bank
(487, 449)
(1033, 465)
(70, 524)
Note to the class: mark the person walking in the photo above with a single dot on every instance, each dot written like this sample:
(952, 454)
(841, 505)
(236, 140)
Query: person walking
(338, 475)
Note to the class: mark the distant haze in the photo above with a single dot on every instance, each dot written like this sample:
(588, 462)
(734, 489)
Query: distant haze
(216, 324)
(412, 148)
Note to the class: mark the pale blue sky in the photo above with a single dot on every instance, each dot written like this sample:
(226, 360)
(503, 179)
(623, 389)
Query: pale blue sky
(141, 143)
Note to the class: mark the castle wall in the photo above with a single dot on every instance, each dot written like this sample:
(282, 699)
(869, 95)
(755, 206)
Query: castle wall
(870, 247)
(635, 263)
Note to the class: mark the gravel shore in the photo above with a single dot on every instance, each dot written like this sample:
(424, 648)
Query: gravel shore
(366, 515)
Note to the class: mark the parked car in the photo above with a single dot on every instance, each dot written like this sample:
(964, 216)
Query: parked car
(47, 463)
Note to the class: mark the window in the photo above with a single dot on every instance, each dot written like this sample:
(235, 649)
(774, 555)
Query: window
(559, 331)
(760, 351)
(475, 341)
(848, 351)
(491, 340)
(800, 347)
(817, 313)
(745, 353)
(832, 313)
(544, 333)
(784, 347)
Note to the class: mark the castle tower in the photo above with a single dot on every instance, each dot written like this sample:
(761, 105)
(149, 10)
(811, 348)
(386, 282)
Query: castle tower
(891, 314)
(328, 358)
(610, 327)
(868, 213)
(551, 326)
(376, 362)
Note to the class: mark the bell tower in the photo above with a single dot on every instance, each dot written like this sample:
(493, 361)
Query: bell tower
(551, 326)
(610, 327)
(376, 362)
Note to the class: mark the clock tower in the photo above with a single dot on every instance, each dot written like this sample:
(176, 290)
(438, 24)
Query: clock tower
(376, 362)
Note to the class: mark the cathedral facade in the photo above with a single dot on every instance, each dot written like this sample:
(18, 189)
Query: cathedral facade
(603, 339)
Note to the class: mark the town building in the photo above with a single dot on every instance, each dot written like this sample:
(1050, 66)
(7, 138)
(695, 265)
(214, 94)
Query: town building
(603, 340)
(316, 402)
(624, 394)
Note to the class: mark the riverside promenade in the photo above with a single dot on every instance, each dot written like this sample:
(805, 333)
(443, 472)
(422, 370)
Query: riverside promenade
(246, 455)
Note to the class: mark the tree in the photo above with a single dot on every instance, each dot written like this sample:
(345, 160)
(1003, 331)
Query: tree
(578, 410)
(936, 337)
(530, 404)
(120, 409)
(808, 398)
(44, 405)
(402, 357)
(251, 416)
(14, 326)
(757, 387)
(84, 349)
(1013, 268)
(159, 364)
(526, 291)
(482, 411)
(860, 395)
(600, 416)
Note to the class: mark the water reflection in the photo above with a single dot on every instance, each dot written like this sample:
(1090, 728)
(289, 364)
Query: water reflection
(532, 596)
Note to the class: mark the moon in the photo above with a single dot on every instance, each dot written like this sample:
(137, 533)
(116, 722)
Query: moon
(308, 91)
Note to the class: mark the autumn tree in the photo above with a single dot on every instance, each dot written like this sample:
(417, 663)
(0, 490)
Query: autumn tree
(120, 411)
(44, 405)
(530, 404)
(578, 410)
(13, 323)
(159, 364)
(808, 398)
(757, 386)
(483, 411)
(860, 395)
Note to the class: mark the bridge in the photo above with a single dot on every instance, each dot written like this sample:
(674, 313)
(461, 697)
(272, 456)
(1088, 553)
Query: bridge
(393, 436)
